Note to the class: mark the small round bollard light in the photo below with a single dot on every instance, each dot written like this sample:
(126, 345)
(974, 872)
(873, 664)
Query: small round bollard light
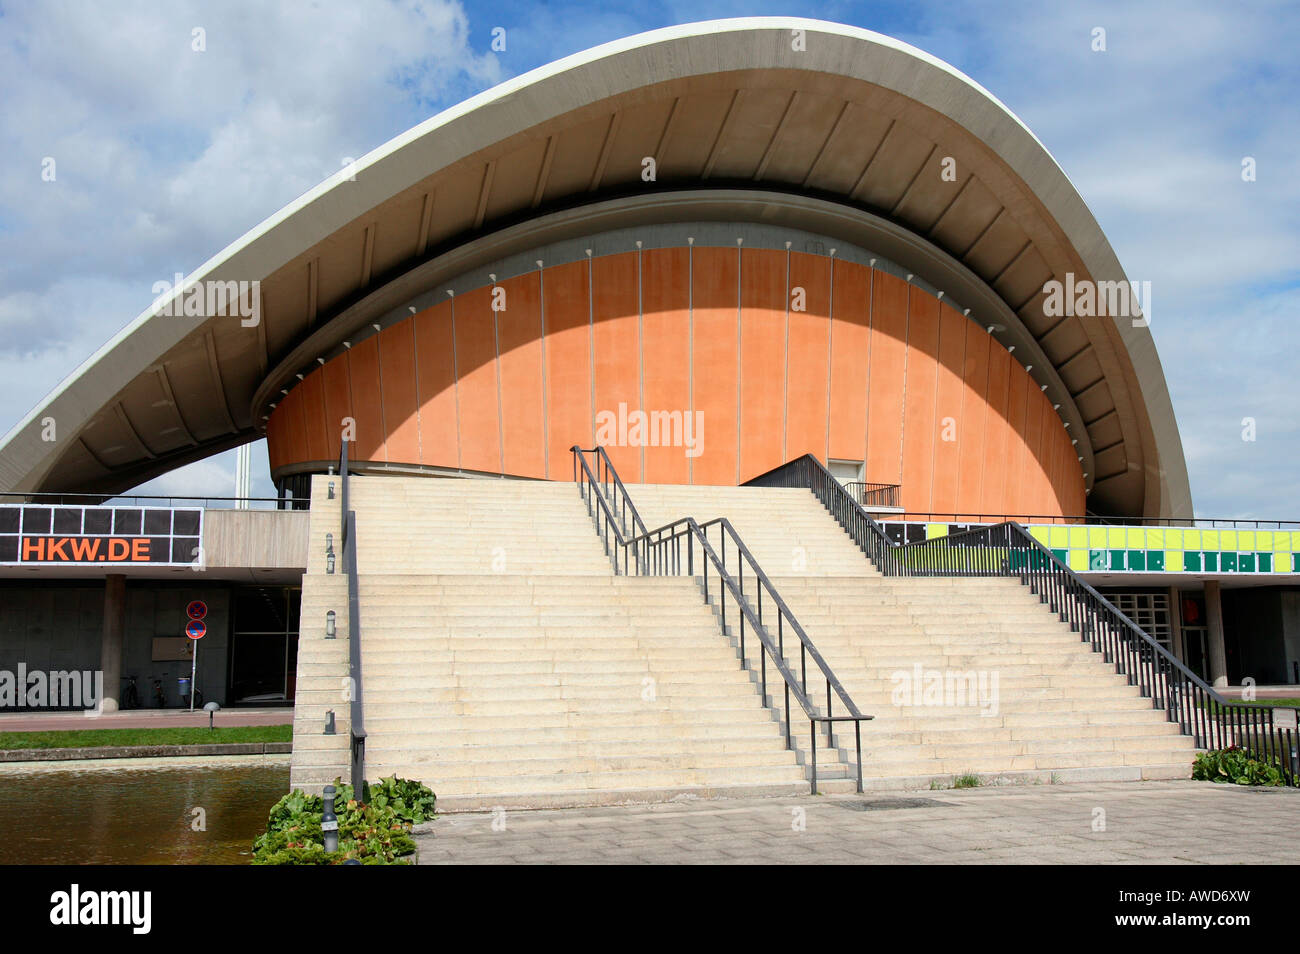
(329, 722)
(212, 708)
(331, 626)
(329, 823)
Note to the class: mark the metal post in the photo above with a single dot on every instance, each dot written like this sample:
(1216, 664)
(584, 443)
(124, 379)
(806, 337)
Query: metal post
(194, 667)
(329, 823)
(857, 735)
(812, 724)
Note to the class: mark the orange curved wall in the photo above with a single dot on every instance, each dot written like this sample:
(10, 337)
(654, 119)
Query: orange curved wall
(871, 369)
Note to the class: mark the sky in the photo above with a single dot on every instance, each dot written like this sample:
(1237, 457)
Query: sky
(164, 154)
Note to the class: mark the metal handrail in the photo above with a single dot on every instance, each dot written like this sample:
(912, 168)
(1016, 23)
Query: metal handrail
(622, 499)
(100, 500)
(1095, 520)
(659, 553)
(356, 713)
(1009, 550)
(878, 495)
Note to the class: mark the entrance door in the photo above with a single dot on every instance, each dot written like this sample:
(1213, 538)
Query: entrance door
(264, 644)
(846, 471)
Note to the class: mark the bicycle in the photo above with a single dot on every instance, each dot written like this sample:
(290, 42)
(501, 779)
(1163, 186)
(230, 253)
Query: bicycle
(130, 695)
(159, 695)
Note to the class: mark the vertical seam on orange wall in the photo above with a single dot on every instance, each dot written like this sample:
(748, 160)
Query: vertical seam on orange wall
(984, 434)
(830, 338)
(419, 405)
(690, 349)
(306, 431)
(352, 405)
(1010, 436)
(740, 360)
(383, 418)
(591, 351)
(455, 377)
(1024, 455)
(640, 351)
(785, 390)
(496, 363)
(961, 423)
(546, 414)
(938, 375)
(902, 410)
(871, 340)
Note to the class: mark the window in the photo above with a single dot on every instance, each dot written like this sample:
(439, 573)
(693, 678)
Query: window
(846, 471)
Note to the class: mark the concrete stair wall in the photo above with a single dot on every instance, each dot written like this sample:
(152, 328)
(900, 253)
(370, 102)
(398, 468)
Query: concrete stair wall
(505, 664)
(1062, 712)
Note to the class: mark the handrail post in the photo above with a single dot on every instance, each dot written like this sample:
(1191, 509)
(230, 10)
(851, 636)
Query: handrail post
(812, 724)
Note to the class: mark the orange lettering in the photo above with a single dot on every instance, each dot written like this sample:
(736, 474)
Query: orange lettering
(33, 548)
(140, 550)
(118, 549)
(84, 550)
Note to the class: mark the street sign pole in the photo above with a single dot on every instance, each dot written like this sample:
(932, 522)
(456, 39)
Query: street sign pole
(195, 629)
(194, 666)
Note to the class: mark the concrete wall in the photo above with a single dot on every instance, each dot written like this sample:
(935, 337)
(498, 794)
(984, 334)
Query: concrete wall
(59, 627)
(255, 539)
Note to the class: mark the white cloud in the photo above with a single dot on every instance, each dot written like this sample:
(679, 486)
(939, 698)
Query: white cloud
(166, 155)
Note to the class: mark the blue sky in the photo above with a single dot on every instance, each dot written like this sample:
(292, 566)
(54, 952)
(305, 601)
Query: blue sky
(165, 155)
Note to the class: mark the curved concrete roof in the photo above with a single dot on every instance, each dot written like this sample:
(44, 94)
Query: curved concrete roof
(853, 118)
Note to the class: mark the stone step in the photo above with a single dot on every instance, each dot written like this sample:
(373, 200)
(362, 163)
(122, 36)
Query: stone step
(519, 780)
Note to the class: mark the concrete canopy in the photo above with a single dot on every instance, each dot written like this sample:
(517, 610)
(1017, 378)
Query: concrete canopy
(789, 106)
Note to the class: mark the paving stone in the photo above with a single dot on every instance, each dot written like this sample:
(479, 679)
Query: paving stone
(1171, 822)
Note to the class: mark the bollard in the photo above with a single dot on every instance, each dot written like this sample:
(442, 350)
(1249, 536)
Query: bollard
(329, 823)
(329, 553)
(330, 624)
(329, 722)
(331, 491)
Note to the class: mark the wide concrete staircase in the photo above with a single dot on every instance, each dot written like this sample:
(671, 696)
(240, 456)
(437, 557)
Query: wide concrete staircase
(505, 664)
(963, 675)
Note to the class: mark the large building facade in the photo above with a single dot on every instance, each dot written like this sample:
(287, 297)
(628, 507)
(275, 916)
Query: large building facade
(711, 248)
(696, 363)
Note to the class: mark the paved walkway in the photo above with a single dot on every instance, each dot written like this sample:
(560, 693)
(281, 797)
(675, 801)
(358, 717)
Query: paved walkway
(141, 719)
(1177, 822)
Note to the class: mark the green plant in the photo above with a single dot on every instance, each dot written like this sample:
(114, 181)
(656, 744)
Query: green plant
(377, 833)
(968, 780)
(1234, 764)
(412, 801)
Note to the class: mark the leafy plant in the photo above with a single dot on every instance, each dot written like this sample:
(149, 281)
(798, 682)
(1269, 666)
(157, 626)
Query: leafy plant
(1235, 765)
(966, 781)
(411, 800)
(377, 833)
